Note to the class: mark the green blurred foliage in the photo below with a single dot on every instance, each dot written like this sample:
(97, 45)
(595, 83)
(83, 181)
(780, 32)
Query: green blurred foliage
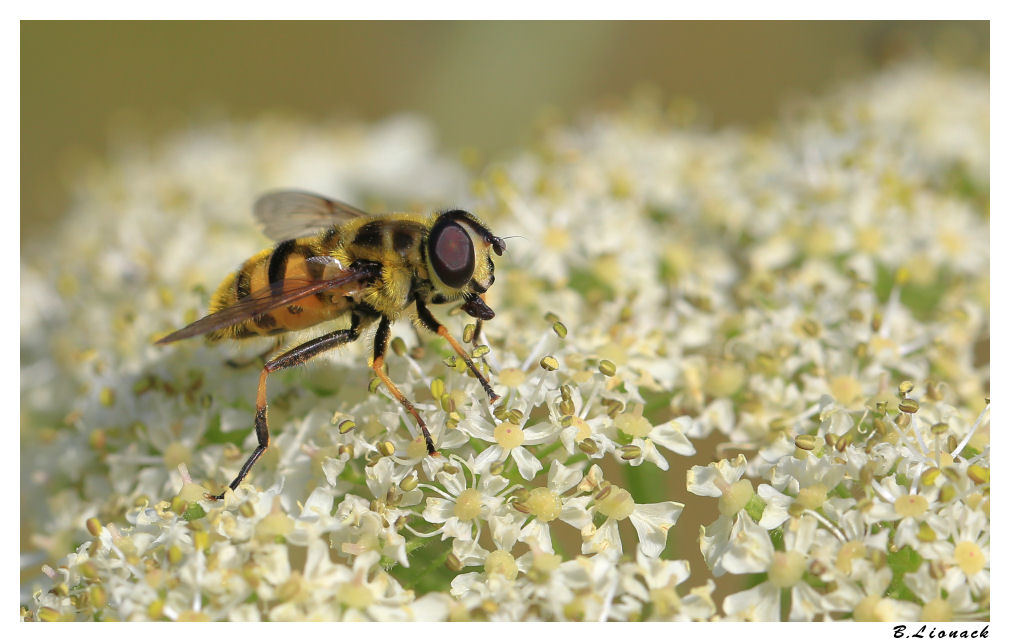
(85, 85)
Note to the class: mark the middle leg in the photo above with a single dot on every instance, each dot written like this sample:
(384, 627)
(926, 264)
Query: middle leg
(378, 359)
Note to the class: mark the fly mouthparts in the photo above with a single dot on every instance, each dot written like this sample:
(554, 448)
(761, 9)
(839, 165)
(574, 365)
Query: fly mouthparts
(476, 308)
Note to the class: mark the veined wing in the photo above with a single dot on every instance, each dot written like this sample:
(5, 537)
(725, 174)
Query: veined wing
(292, 214)
(273, 296)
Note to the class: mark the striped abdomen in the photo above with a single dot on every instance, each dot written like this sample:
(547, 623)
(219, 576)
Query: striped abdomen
(287, 260)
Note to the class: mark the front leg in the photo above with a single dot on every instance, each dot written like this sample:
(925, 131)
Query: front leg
(430, 322)
(378, 359)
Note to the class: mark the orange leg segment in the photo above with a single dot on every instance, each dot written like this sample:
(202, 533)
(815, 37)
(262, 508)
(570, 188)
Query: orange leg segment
(435, 326)
(378, 361)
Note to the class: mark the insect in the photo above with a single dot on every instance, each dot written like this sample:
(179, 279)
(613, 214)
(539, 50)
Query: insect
(333, 260)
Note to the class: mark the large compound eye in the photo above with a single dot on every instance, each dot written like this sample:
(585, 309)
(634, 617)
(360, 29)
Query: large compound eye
(451, 252)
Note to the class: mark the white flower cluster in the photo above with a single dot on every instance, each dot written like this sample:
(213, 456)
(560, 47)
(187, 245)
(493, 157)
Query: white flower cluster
(814, 297)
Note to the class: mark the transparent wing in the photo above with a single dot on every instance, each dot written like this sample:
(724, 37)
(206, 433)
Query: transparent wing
(292, 214)
(274, 296)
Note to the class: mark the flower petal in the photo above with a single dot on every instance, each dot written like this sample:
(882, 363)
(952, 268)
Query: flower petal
(438, 509)
(671, 436)
(758, 604)
(701, 480)
(527, 463)
(653, 522)
(560, 477)
(537, 535)
(574, 511)
(749, 548)
(487, 457)
(539, 433)
(776, 507)
(606, 538)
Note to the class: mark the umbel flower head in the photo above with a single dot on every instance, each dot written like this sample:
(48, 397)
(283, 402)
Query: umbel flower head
(802, 312)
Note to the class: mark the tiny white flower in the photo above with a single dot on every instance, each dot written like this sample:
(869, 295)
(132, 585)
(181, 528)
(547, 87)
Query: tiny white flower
(863, 596)
(670, 435)
(652, 522)
(658, 587)
(509, 440)
(750, 551)
(545, 504)
(963, 545)
(938, 603)
(463, 506)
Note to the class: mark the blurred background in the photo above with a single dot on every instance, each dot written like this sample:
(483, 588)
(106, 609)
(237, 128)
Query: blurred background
(484, 85)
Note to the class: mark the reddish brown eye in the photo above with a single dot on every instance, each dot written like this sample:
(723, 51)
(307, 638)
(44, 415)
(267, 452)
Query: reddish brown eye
(451, 252)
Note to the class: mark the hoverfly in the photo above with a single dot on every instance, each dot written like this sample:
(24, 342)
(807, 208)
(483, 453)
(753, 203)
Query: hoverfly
(334, 260)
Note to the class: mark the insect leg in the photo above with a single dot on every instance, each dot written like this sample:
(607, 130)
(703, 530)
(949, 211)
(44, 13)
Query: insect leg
(435, 326)
(378, 359)
(293, 357)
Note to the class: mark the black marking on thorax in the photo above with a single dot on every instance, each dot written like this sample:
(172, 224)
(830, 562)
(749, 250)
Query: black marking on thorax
(369, 235)
(403, 239)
